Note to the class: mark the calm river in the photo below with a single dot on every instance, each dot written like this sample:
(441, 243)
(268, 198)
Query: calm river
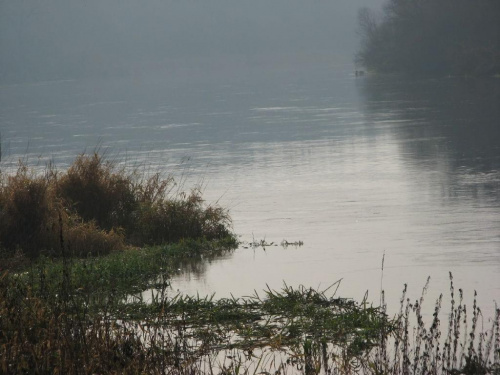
(353, 167)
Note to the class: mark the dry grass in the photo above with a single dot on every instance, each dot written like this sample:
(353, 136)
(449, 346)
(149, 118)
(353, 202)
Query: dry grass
(176, 219)
(29, 212)
(95, 207)
(464, 344)
(96, 191)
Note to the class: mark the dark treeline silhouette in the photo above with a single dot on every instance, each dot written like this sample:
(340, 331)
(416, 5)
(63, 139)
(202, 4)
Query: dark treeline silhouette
(451, 37)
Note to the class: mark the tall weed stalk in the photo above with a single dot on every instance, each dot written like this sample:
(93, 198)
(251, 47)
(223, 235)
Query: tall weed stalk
(421, 347)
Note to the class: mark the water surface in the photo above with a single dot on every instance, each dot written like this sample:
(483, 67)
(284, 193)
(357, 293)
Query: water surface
(354, 167)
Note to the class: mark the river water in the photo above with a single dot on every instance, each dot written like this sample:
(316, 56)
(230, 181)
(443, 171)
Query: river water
(355, 167)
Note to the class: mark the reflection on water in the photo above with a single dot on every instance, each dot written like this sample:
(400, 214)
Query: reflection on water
(448, 135)
(354, 168)
(453, 124)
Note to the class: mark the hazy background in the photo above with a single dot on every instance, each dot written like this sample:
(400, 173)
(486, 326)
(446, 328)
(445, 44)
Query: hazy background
(62, 39)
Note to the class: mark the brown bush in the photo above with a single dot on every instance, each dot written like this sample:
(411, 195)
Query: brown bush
(33, 219)
(154, 189)
(85, 238)
(29, 212)
(170, 220)
(95, 208)
(95, 190)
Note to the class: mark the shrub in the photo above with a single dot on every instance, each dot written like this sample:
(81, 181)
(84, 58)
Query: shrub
(96, 191)
(171, 220)
(28, 212)
(95, 208)
(34, 219)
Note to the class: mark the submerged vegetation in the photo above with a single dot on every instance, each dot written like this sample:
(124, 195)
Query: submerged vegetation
(58, 328)
(443, 37)
(85, 273)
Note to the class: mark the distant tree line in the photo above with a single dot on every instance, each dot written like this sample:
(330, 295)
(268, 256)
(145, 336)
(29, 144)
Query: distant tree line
(452, 37)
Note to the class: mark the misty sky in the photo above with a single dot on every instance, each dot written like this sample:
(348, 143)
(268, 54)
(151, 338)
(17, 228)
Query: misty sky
(50, 39)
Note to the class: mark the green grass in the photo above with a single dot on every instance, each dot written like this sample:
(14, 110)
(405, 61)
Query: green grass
(120, 273)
